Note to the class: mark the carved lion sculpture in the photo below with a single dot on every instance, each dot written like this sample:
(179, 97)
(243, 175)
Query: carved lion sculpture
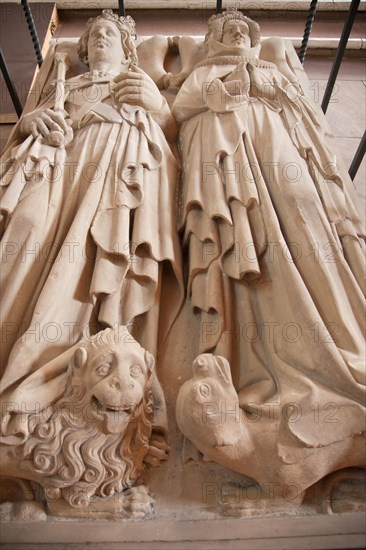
(91, 443)
(282, 455)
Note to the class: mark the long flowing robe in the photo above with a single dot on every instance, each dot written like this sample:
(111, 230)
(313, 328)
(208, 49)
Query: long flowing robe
(275, 250)
(90, 232)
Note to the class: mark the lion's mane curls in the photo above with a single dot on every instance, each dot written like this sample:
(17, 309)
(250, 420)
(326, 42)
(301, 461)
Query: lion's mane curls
(75, 455)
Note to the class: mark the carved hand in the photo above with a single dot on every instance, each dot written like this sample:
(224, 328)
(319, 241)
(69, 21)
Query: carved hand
(136, 88)
(238, 81)
(43, 122)
(237, 73)
(235, 87)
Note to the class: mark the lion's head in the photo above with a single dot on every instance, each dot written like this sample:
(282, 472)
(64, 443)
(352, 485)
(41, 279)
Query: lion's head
(93, 440)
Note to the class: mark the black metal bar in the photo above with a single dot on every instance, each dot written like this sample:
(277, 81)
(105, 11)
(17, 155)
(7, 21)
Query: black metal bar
(218, 6)
(12, 91)
(307, 30)
(121, 7)
(32, 30)
(340, 51)
(357, 159)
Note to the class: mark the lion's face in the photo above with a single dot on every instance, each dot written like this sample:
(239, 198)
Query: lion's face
(114, 379)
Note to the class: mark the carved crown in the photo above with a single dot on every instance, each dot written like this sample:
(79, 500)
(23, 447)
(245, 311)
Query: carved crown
(126, 22)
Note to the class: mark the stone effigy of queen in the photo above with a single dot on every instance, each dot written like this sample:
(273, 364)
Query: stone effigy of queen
(97, 208)
(274, 241)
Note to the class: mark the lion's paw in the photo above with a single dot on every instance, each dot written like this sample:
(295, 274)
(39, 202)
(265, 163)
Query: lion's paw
(138, 503)
(135, 503)
(22, 511)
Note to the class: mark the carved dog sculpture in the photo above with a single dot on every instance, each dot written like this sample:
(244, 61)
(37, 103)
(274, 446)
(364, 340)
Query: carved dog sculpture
(268, 449)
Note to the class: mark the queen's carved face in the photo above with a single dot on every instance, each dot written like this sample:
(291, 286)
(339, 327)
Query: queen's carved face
(105, 43)
(236, 33)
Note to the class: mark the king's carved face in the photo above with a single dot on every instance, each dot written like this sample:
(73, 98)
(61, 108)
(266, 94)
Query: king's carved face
(105, 43)
(236, 33)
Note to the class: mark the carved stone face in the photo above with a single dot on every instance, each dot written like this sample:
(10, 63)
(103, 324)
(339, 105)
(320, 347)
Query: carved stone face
(115, 380)
(236, 33)
(104, 43)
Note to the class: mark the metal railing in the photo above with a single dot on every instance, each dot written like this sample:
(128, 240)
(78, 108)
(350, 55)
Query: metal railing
(340, 53)
(9, 84)
(357, 159)
(121, 7)
(307, 31)
(33, 31)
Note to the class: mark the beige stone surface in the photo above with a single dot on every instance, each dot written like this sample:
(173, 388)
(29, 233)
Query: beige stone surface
(314, 532)
(107, 220)
(79, 171)
(347, 147)
(96, 414)
(350, 123)
(314, 372)
(237, 194)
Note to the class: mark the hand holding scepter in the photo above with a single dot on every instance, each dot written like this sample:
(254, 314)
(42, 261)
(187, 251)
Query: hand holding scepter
(59, 138)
